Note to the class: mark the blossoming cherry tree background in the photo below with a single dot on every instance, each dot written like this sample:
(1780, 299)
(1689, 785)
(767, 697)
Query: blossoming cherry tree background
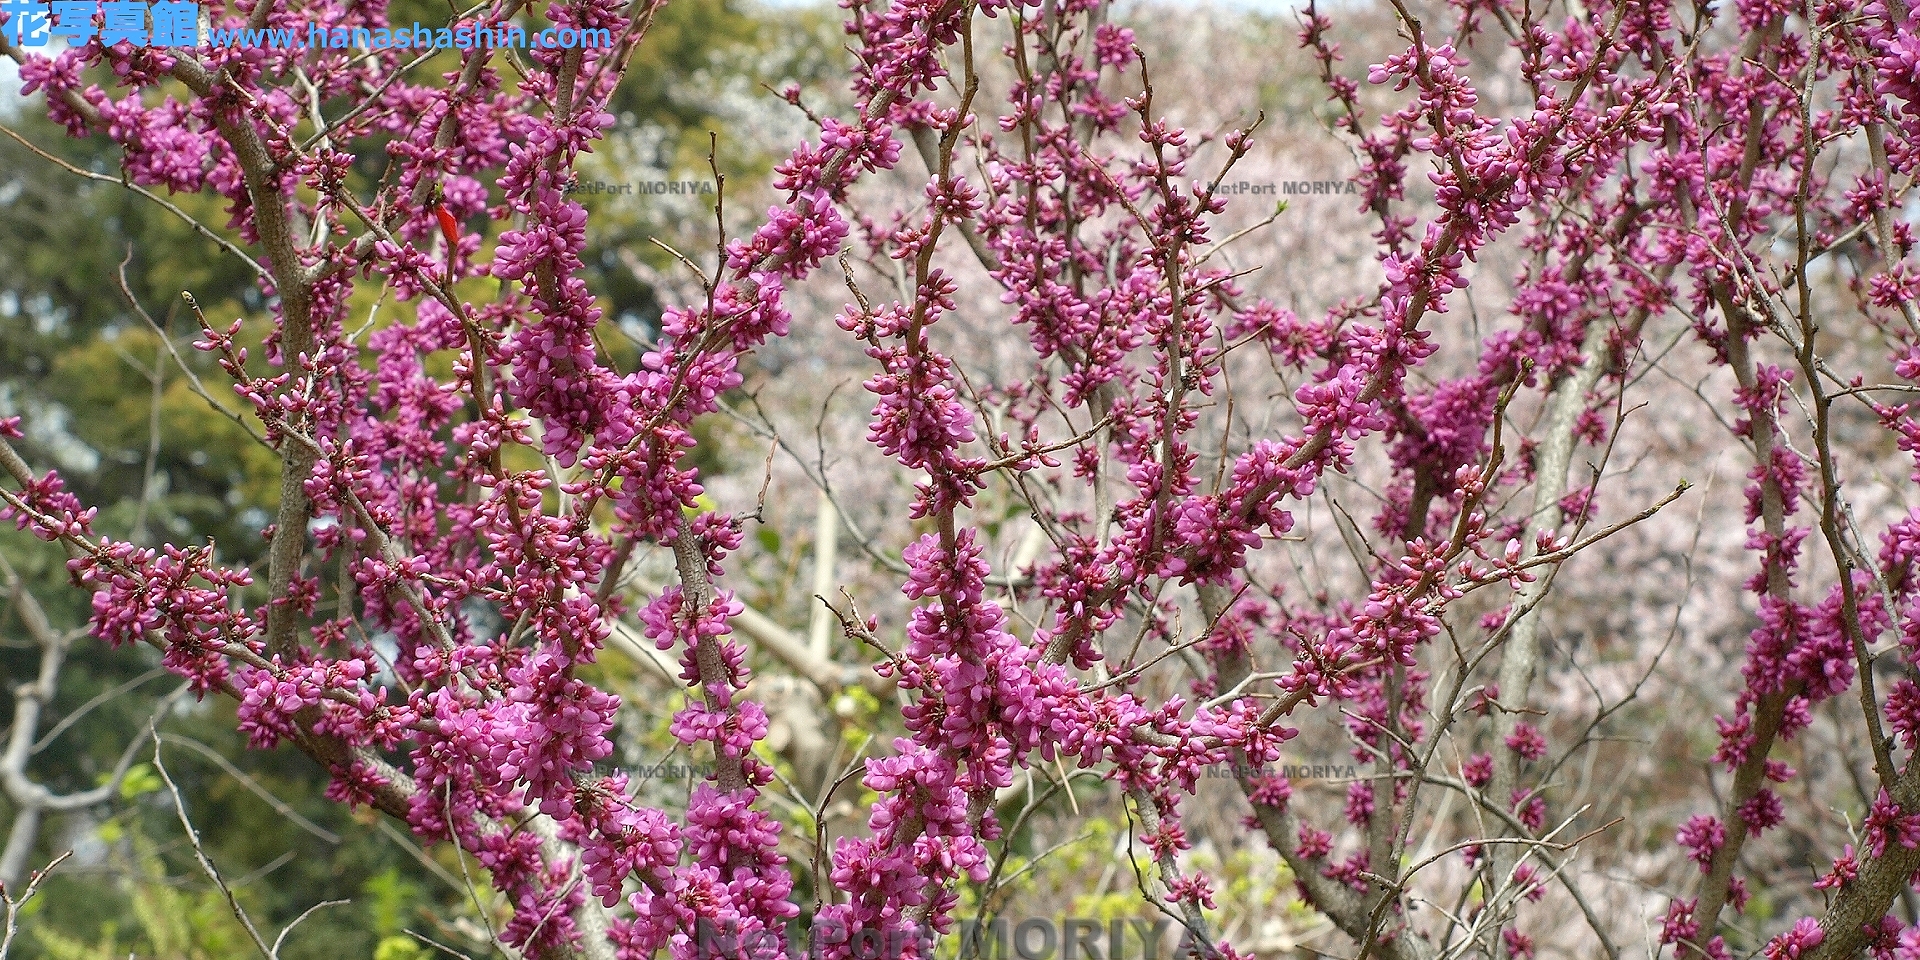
(1624, 302)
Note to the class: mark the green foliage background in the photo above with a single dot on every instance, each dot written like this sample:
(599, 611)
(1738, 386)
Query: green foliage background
(98, 389)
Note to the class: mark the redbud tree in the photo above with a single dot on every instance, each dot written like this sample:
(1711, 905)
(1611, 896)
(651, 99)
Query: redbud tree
(1735, 176)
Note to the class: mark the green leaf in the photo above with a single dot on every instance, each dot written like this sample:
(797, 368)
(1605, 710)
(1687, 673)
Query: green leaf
(140, 781)
(399, 948)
